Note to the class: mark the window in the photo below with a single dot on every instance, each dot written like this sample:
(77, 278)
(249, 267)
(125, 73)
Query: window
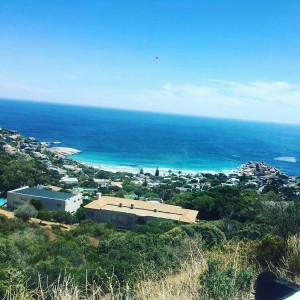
(58, 205)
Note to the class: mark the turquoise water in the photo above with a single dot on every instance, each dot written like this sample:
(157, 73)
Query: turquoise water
(137, 139)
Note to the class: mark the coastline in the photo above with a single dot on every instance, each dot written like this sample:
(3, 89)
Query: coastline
(193, 145)
(163, 170)
(70, 153)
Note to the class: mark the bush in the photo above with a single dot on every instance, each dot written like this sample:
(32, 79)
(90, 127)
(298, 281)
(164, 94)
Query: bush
(64, 217)
(129, 255)
(8, 251)
(154, 226)
(45, 215)
(8, 226)
(38, 204)
(227, 283)
(25, 212)
(174, 236)
(80, 214)
(252, 231)
(210, 234)
(268, 251)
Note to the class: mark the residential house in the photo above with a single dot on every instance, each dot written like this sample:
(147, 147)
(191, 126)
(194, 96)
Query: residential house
(125, 212)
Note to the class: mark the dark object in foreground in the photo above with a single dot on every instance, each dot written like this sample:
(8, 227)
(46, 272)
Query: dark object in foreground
(269, 287)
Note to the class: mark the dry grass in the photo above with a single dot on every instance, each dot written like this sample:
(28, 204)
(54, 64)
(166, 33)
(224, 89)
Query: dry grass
(185, 284)
(8, 214)
(290, 267)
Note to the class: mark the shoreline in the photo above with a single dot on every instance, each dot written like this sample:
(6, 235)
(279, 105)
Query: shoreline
(151, 170)
(70, 153)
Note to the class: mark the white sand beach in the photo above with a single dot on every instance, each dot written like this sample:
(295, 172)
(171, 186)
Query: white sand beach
(162, 171)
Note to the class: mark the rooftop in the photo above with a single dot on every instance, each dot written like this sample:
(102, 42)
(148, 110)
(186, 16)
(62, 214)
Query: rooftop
(144, 209)
(43, 193)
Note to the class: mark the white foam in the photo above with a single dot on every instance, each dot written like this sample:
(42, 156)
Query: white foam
(290, 159)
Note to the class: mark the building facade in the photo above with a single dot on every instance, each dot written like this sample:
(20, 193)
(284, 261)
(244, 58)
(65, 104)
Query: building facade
(52, 200)
(126, 212)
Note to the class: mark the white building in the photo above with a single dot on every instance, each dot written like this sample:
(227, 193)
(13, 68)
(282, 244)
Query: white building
(52, 200)
(69, 180)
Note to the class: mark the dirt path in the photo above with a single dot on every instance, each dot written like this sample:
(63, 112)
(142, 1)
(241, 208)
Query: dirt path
(6, 213)
(11, 215)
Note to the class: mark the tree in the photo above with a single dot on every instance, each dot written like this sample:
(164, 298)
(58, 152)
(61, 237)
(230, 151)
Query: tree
(102, 174)
(138, 192)
(38, 204)
(45, 215)
(89, 183)
(25, 212)
(80, 213)
(157, 172)
(64, 217)
(283, 217)
(120, 194)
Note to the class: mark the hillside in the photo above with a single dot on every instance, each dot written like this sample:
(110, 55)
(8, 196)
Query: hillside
(242, 229)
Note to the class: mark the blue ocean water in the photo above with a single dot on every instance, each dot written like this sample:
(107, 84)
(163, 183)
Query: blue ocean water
(139, 139)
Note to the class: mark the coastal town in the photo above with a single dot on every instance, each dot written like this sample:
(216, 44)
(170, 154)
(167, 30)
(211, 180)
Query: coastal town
(75, 177)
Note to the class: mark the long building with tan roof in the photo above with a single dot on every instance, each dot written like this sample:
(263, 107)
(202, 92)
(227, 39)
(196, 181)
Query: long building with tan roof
(125, 212)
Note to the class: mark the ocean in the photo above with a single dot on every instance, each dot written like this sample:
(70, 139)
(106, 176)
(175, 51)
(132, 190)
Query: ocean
(130, 140)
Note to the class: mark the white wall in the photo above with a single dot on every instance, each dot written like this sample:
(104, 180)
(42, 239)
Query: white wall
(72, 204)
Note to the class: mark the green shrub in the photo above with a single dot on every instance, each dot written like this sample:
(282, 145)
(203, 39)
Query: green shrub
(268, 251)
(210, 234)
(129, 255)
(38, 204)
(252, 231)
(226, 283)
(8, 251)
(174, 236)
(64, 217)
(25, 212)
(45, 215)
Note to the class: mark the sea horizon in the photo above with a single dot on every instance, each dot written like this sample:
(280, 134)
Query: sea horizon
(131, 140)
(48, 102)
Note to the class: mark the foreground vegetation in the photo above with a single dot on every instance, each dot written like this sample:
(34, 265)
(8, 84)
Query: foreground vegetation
(240, 234)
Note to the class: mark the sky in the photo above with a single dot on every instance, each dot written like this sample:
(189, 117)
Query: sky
(219, 58)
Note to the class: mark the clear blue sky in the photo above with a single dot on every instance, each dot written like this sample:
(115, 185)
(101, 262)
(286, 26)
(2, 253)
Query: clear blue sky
(232, 59)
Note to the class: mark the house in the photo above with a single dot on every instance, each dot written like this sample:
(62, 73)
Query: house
(125, 212)
(10, 150)
(52, 200)
(102, 182)
(116, 183)
(69, 180)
